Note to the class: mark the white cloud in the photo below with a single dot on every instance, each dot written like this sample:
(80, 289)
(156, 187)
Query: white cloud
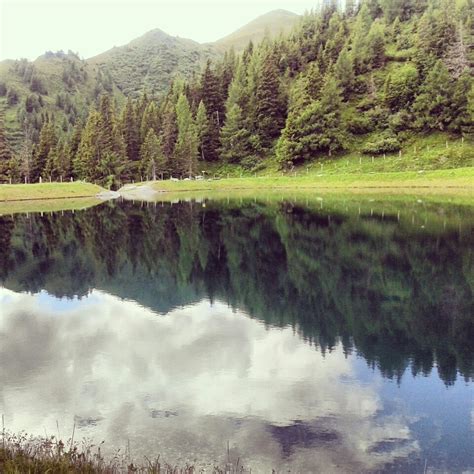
(184, 384)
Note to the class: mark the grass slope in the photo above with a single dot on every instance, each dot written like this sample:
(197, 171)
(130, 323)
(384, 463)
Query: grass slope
(49, 68)
(25, 192)
(441, 181)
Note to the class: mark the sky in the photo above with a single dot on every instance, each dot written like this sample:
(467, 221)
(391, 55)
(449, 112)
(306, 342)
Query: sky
(28, 28)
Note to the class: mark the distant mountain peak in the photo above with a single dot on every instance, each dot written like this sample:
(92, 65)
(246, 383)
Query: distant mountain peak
(278, 11)
(271, 23)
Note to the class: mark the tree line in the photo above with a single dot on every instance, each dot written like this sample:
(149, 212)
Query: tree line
(379, 68)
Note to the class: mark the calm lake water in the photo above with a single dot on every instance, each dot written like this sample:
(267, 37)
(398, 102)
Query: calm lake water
(310, 334)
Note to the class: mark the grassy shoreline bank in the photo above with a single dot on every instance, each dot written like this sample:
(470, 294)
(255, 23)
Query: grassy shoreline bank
(459, 178)
(46, 191)
(50, 197)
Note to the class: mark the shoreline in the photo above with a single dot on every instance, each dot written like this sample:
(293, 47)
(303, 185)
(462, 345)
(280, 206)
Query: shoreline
(57, 196)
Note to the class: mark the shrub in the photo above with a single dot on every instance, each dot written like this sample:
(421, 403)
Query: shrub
(360, 124)
(382, 145)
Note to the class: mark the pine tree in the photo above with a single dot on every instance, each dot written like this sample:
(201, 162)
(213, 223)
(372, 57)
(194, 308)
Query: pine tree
(21, 163)
(298, 97)
(336, 38)
(313, 81)
(153, 160)
(49, 171)
(202, 125)
(150, 119)
(376, 46)
(234, 136)
(86, 161)
(186, 150)
(401, 87)
(432, 105)
(344, 72)
(58, 163)
(5, 152)
(238, 93)
(359, 50)
(47, 142)
(456, 56)
(109, 132)
(468, 129)
(130, 132)
(318, 128)
(211, 94)
(101, 152)
(462, 116)
(170, 132)
(270, 107)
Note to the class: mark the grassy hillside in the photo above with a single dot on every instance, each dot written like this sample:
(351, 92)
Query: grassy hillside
(56, 84)
(271, 24)
(152, 61)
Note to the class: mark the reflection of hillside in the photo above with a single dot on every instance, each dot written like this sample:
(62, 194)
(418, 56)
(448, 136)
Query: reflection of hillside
(399, 295)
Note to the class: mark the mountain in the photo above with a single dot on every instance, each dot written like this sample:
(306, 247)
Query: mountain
(63, 84)
(151, 61)
(272, 24)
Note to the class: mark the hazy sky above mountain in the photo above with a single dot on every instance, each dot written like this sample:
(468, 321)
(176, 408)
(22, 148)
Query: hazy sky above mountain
(29, 28)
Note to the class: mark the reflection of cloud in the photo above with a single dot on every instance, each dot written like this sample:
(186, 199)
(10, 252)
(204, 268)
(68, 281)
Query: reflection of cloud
(184, 384)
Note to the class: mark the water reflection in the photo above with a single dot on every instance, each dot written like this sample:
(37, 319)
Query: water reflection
(199, 376)
(183, 327)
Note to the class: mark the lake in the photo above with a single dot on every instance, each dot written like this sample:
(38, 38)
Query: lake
(302, 333)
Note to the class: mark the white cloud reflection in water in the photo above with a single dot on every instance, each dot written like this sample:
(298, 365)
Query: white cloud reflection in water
(183, 384)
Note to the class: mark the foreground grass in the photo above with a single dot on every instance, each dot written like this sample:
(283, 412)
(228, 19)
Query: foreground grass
(24, 192)
(449, 181)
(23, 454)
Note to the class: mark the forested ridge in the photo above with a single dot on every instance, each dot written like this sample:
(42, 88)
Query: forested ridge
(378, 73)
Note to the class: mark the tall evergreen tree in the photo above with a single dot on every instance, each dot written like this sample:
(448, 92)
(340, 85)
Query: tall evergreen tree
(344, 72)
(5, 152)
(376, 45)
(202, 126)
(401, 87)
(170, 132)
(47, 142)
(270, 106)
(153, 160)
(130, 132)
(359, 49)
(462, 117)
(211, 94)
(86, 161)
(186, 151)
(234, 136)
(317, 128)
(433, 105)
(150, 119)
